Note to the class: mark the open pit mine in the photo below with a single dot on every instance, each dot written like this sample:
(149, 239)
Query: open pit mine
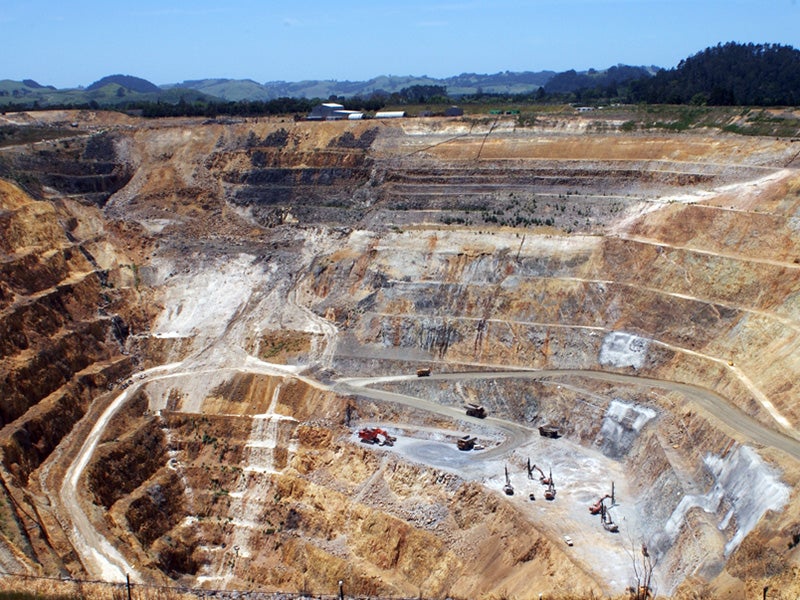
(435, 357)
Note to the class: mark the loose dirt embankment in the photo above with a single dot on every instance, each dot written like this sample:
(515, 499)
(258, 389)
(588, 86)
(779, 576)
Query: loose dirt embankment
(686, 297)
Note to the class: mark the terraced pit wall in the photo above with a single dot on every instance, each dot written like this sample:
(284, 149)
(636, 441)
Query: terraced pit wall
(343, 249)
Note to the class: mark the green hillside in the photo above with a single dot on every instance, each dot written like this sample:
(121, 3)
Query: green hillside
(233, 90)
(22, 95)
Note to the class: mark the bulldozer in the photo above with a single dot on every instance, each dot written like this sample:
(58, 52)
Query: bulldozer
(475, 410)
(376, 435)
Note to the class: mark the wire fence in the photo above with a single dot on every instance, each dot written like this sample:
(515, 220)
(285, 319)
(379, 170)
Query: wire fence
(128, 590)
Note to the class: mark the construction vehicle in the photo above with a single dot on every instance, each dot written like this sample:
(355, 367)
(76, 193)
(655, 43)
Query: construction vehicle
(550, 492)
(551, 431)
(466, 443)
(423, 372)
(508, 488)
(542, 478)
(605, 517)
(597, 507)
(376, 435)
(475, 410)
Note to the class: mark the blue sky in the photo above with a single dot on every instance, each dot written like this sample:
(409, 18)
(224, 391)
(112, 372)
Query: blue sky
(70, 43)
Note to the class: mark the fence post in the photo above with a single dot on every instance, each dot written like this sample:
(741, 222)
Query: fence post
(128, 584)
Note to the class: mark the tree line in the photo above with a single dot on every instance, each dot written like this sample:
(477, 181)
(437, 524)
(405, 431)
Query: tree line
(722, 75)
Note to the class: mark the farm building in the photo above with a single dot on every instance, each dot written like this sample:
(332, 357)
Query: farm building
(331, 111)
(390, 114)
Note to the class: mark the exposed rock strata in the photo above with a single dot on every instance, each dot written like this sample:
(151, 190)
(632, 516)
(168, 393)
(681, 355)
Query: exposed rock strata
(337, 250)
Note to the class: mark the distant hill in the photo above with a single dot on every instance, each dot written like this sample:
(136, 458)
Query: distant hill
(233, 90)
(572, 81)
(728, 74)
(459, 85)
(134, 84)
(107, 92)
(35, 85)
(19, 91)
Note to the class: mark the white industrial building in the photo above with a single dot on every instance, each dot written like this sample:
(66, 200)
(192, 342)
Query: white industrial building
(331, 111)
(390, 114)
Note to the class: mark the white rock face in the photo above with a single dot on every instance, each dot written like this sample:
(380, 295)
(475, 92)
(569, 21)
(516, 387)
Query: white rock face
(744, 489)
(622, 424)
(622, 349)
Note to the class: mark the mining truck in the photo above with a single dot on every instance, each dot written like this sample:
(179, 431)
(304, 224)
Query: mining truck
(549, 430)
(466, 443)
(423, 372)
(475, 410)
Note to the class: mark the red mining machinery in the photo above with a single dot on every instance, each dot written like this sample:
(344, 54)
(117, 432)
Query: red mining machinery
(597, 507)
(376, 435)
(545, 480)
(550, 492)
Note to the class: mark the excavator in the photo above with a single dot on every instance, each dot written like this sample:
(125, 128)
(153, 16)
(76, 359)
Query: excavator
(542, 478)
(376, 435)
(608, 523)
(597, 507)
(550, 492)
(508, 488)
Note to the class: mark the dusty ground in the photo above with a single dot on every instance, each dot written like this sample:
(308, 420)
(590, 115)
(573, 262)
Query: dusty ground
(235, 279)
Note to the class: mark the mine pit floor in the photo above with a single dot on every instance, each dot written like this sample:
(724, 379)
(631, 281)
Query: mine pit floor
(581, 476)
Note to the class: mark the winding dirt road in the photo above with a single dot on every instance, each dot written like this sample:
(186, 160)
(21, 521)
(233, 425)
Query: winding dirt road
(714, 404)
(98, 556)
